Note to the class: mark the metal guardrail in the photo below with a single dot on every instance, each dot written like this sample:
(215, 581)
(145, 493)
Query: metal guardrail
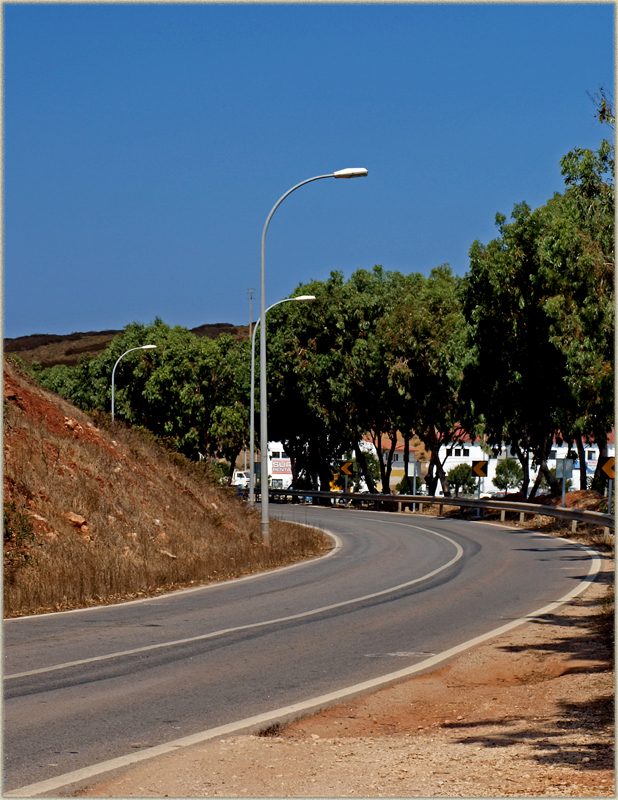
(575, 516)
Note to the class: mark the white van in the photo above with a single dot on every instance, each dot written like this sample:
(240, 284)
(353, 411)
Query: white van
(240, 478)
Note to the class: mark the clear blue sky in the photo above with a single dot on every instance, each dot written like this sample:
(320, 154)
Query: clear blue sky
(144, 145)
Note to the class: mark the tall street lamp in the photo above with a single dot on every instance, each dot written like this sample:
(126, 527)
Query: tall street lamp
(300, 299)
(354, 172)
(144, 347)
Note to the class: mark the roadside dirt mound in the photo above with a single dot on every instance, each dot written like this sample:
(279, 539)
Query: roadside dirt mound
(101, 513)
(584, 500)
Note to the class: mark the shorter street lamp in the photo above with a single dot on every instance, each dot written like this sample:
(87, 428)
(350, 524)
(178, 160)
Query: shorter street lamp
(303, 298)
(144, 347)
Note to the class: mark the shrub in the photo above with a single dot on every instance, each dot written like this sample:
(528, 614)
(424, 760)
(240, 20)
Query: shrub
(509, 475)
(18, 541)
(461, 477)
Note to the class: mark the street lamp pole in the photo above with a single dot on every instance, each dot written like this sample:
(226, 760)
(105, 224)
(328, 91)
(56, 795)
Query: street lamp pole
(359, 172)
(300, 299)
(144, 347)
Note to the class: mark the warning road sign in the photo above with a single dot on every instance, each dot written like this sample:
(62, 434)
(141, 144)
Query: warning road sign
(480, 468)
(607, 465)
(346, 468)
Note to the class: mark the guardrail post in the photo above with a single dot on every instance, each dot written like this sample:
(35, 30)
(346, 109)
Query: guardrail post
(440, 509)
(503, 516)
(399, 506)
(420, 508)
(521, 517)
(573, 526)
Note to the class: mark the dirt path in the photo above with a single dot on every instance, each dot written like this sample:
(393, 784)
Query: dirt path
(527, 714)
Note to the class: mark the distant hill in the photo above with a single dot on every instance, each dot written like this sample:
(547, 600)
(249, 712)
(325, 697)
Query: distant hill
(50, 349)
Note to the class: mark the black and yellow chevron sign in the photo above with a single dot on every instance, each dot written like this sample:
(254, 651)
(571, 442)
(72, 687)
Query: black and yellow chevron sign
(607, 465)
(346, 468)
(480, 468)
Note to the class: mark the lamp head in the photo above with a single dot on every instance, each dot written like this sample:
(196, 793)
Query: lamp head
(149, 347)
(304, 297)
(351, 172)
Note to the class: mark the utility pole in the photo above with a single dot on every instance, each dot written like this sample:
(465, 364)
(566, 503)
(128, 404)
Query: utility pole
(250, 295)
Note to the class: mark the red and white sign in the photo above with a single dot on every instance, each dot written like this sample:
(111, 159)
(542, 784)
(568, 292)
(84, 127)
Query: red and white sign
(281, 466)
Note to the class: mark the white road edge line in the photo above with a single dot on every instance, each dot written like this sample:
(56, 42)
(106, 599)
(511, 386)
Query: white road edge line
(215, 634)
(34, 789)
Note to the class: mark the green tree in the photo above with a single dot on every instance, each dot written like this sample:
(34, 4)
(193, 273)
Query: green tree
(539, 303)
(328, 382)
(425, 350)
(576, 255)
(514, 379)
(461, 477)
(509, 475)
(192, 392)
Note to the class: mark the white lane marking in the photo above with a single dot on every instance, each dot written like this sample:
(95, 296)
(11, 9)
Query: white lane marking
(402, 654)
(204, 588)
(292, 711)
(214, 634)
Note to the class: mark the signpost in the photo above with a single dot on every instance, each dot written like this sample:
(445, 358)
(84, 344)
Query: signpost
(608, 467)
(564, 470)
(479, 468)
(346, 468)
(416, 472)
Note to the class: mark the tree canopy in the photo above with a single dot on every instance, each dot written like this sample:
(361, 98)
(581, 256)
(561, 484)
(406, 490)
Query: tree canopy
(517, 351)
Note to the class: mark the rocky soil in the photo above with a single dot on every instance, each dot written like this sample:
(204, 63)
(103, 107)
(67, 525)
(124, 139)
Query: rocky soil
(527, 714)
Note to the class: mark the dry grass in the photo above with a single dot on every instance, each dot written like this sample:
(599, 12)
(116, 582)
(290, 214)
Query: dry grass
(116, 516)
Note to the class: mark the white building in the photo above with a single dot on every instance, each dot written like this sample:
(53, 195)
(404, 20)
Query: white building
(467, 452)
(279, 466)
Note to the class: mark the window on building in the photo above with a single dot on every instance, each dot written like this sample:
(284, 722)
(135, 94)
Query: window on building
(275, 454)
(592, 455)
(466, 452)
(458, 453)
(553, 453)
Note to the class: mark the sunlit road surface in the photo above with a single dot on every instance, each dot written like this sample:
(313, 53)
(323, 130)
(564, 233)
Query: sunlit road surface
(85, 687)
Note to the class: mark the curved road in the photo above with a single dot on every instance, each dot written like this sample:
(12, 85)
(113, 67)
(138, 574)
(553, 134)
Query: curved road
(88, 686)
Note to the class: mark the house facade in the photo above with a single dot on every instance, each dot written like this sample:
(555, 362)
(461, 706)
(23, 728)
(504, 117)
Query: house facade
(469, 451)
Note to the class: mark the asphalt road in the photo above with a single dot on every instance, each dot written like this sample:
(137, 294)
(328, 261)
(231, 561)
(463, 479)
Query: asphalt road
(84, 687)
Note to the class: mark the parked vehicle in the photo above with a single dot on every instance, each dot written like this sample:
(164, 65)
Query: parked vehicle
(240, 478)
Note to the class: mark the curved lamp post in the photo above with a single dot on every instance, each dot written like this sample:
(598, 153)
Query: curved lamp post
(354, 172)
(144, 347)
(303, 298)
